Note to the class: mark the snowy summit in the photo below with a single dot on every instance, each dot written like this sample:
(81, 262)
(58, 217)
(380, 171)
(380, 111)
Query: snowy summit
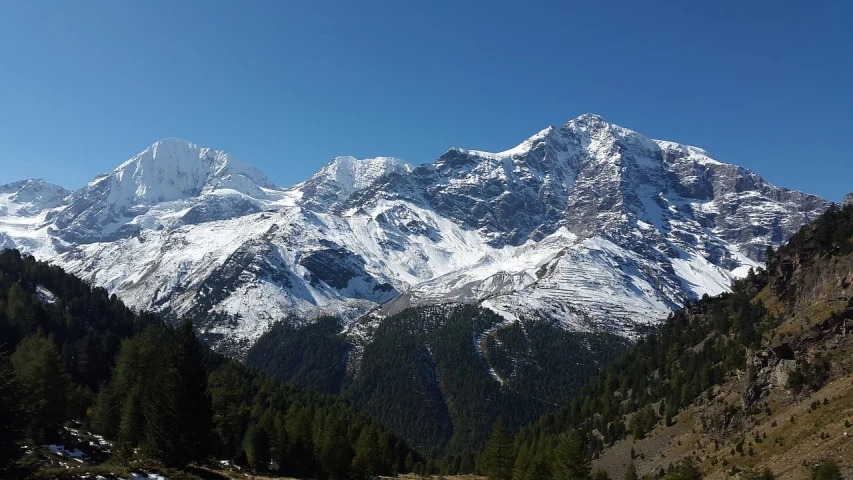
(590, 224)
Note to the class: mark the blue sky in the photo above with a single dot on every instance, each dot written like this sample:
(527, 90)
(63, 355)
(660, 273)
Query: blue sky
(288, 85)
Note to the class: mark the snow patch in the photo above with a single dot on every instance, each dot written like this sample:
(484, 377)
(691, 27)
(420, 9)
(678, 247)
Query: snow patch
(46, 297)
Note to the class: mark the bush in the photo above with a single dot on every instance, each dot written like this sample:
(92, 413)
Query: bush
(828, 470)
(752, 474)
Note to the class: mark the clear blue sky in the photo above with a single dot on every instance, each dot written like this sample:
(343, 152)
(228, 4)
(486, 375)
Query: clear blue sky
(288, 85)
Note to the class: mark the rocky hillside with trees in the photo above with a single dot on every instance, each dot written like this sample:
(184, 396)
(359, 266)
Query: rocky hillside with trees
(73, 356)
(756, 383)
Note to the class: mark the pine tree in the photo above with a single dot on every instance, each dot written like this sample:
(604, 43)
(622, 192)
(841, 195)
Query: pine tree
(13, 419)
(104, 416)
(686, 470)
(336, 454)
(256, 444)
(45, 385)
(570, 462)
(411, 461)
(631, 473)
(162, 438)
(753, 474)
(280, 445)
(117, 413)
(523, 463)
(541, 470)
(600, 475)
(455, 465)
(368, 459)
(19, 315)
(466, 465)
(194, 407)
(828, 470)
(130, 426)
(499, 454)
(231, 415)
(298, 422)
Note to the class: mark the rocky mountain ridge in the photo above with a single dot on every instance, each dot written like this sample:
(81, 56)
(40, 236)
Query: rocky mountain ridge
(589, 223)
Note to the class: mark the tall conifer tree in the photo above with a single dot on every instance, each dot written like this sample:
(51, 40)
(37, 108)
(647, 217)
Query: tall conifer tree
(12, 419)
(499, 455)
(193, 402)
(570, 462)
(44, 383)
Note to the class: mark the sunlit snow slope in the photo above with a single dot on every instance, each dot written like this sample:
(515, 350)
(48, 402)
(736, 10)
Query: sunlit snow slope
(590, 224)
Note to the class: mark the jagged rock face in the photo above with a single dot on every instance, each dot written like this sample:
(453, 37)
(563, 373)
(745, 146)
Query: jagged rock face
(848, 199)
(588, 223)
(595, 178)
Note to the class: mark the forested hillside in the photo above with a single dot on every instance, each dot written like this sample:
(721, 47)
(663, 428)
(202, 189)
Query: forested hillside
(720, 388)
(73, 353)
(440, 375)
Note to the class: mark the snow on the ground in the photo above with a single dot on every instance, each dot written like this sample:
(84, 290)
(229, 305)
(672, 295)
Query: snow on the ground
(146, 476)
(46, 297)
(64, 451)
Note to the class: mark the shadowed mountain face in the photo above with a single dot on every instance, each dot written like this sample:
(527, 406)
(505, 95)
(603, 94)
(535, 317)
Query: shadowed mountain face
(588, 224)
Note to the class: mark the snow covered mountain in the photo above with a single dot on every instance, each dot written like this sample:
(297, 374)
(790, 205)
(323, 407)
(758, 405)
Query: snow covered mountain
(23, 207)
(591, 224)
(848, 199)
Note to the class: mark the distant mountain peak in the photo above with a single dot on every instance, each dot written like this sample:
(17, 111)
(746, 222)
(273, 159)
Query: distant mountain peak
(589, 119)
(339, 179)
(848, 199)
(354, 174)
(174, 168)
(32, 196)
(168, 177)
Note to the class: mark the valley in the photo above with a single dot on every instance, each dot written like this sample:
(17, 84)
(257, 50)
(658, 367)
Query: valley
(657, 319)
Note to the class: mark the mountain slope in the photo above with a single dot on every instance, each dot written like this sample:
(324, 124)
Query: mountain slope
(81, 358)
(23, 206)
(760, 377)
(439, 375)
(588, 222)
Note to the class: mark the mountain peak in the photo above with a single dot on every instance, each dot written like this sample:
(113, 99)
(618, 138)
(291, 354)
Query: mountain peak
(166, 148)
(354, 174)
(848, 199)
(589, 118)
(21, 184)
(174, 141)
(174, 168)
(33, 195)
